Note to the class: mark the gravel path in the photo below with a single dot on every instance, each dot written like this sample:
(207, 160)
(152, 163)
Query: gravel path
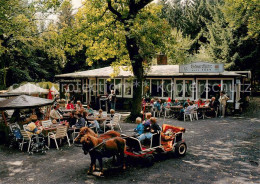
(219, 151)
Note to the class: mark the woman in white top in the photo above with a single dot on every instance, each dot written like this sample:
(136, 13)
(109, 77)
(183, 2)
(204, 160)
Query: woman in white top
(223, 102)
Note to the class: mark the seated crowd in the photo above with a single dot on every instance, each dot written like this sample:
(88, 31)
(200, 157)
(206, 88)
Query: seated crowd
(77, 116)
(186, 107)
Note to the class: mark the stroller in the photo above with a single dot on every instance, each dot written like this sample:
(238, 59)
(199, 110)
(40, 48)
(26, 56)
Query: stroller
(15, 136)
(35, 139)
(38, 144)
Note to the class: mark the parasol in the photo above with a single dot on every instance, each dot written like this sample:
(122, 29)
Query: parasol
(24, 102)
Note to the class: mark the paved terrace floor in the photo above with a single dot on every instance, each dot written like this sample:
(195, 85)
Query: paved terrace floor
(219, 151)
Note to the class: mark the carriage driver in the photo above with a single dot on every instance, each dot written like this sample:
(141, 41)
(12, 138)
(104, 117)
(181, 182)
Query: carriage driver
(149, 130)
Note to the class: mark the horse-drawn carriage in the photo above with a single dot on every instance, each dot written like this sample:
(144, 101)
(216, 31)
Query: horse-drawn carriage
(169, 140)
(111, 143)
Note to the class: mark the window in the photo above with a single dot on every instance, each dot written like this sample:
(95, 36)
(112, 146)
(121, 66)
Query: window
(128, 88)
(146, 87)
(227, 87)
(92, 87)
(156, 88)
(184, 88)
(101, 86)
(208, 88)
(167, 88)
(118, 87)
(188, 88)
(214, 87)
(202, 89)
(179, 88)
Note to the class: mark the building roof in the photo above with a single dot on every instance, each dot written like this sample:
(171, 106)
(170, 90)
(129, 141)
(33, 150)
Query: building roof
(155, 71)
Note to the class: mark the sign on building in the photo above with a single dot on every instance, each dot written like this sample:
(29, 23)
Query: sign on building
(202, 67)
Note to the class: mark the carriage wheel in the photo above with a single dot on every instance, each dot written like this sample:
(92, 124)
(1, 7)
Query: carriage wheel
(180, 149)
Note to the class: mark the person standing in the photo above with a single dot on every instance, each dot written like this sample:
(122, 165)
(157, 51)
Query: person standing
(112, 100)
(223, 102)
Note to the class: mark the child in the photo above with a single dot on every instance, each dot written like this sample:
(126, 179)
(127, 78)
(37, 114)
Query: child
(140, 127)
(81, 122)
(112, 112)
(153, 128)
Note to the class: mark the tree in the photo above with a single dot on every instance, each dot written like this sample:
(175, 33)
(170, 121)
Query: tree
(231, 44)
(22, 56)
(244, 12)
(128, 32)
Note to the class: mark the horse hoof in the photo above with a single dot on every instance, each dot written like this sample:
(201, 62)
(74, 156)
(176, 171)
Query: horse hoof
(89, 172)
(101, 174)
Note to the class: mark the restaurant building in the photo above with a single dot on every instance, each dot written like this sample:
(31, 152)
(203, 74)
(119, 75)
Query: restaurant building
(198, 80)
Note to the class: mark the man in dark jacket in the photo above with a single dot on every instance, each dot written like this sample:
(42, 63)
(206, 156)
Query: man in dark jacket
(213, 107)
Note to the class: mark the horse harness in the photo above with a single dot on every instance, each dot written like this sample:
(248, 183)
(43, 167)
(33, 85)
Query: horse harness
(102, 143)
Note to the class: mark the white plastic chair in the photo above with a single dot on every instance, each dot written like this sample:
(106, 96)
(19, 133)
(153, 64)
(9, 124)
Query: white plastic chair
(61, 132)
(26, 139)
(115, 122)
(194, 114)
(187, 115)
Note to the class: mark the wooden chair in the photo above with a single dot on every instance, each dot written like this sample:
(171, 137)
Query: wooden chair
(61, 132)
(26, 139)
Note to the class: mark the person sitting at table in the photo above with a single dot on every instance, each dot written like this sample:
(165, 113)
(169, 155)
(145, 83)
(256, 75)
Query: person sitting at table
(78, 106)
(176, 103)
(89, 111)
(186, 102)
(200, 103)
(149, 130)
(207, 103)
(73, 119)
(213, 107)
(70, 105)
(100, 113)
(181, 113)
(55, 115)
(140, 127)
(157, 105)
(81, 122)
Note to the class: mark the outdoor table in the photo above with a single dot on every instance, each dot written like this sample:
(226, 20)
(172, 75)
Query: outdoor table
(53, 128)
(203, 110)
(148, 108)
(175, 109)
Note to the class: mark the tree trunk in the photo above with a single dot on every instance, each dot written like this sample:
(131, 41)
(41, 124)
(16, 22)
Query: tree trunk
(137, 65)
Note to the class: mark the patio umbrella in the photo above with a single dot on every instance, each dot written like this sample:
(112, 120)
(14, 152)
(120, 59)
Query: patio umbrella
(24, 102)
(28, 89)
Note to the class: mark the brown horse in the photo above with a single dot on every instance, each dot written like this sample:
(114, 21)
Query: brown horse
(98, 149)
(89, 131)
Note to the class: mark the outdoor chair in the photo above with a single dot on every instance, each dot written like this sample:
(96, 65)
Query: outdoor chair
(187, 115)
(61, 132)
(26, 139)
(75, 133)
(194, 114)
(25, 126)
(115, 122)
